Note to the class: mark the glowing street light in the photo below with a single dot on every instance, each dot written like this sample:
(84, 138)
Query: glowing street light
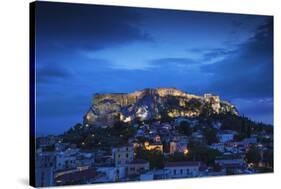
(185, 151)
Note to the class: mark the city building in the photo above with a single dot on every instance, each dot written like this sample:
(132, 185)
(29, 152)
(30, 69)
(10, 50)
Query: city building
(218, 146)
(65, 161)
(225, 136)
(137, 167)
(47, 141)
(111, 174)
(198, 137)
(153, 146)
(183, 169)
(179, 144)
(122, 156)
(77, 177)
(147, 176)
(231, 161)
(44, 169)
(157, 139)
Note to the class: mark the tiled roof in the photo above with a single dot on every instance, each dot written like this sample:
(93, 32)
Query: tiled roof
(80, 175)
(182, 163)
(138, 161)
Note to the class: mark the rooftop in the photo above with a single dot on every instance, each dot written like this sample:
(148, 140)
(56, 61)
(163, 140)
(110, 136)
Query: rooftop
(75, 176)
(182, 163)
(139, 161)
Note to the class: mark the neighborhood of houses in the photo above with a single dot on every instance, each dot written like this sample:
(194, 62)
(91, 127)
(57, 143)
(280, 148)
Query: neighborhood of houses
(67, 163)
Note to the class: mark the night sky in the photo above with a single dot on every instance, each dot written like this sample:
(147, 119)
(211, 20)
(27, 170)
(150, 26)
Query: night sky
(82, 50)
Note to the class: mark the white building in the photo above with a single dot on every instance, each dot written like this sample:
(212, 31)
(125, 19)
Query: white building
(112, 174)
(65, 161)
(229, 162)
(122, 156)
(251, 140)
(59, 147)
(137, 167)
(226, 136)
(44, 169)
(218, 146)
(182, 169)
(147, 176)
(179, 145)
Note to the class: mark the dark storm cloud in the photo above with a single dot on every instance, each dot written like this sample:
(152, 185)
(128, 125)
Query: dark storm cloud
(62, 32)
(256, 106)
(84, 26)
(258, 109)
(242, 22)
(247, 72)
(47, 73)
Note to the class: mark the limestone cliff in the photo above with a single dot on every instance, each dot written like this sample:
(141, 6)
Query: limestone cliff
(152, 104)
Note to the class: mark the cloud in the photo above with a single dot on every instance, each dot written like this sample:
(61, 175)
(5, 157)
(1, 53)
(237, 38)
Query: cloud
(178, 65)
(257, 106)
(259, 109)
(211, 55)
(174, 61)
(84, 26)
(214, 54)
(248, 71)
(51, 71)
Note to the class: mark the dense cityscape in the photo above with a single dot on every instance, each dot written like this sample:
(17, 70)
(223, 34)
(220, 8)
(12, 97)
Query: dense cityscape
(212, 143)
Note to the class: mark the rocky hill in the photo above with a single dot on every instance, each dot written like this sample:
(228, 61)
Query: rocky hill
(152, 103)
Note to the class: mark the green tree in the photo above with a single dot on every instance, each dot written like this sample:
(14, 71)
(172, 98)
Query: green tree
(217, 167)
(211, 135)
(177, 156)
(239, 137)
(154, 157)
(185, 128)
(253, 155)
(200, 152)
(268, 157)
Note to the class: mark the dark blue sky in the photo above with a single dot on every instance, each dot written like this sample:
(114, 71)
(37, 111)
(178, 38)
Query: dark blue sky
(82, 50)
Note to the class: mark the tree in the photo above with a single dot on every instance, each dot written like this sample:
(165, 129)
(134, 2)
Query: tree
(217, 167)
(141, 139)
(211, 135)
(200, 152)
(154, 157)
(249, 131)
(49, 148)
(268, 157)
(184, 128)
(239, 137)
(253, 155)
(177, 156)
